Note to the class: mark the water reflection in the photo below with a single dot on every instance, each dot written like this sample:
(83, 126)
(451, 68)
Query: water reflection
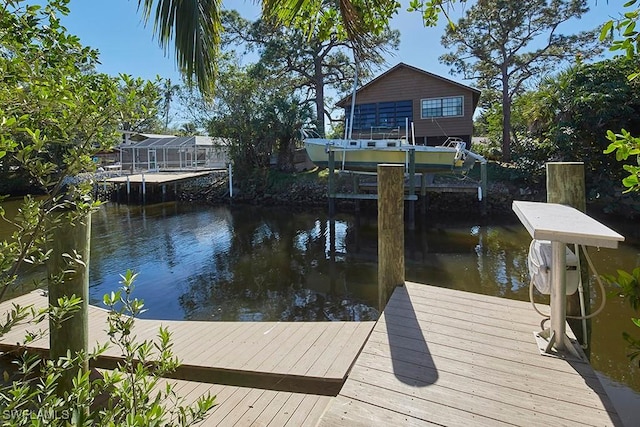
(223, 264)
(247, 263)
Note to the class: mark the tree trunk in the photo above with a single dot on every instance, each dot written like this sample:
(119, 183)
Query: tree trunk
(319, 84)
(506, 119)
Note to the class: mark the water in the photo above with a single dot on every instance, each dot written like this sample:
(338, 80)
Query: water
(247, 263)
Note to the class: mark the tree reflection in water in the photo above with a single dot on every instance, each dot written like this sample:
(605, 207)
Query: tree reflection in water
(249, 263)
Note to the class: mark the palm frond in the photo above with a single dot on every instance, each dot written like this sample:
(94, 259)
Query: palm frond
(196, 26)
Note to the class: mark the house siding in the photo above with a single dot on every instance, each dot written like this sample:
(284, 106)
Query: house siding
(404, 83)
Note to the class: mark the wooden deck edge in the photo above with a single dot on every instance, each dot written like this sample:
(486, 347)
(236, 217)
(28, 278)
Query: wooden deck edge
(223, 376)
(357, 355)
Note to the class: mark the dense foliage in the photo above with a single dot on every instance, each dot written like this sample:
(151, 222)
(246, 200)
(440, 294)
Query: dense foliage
(626, 146)
(566, 118)
(313, 62)
(503, 44)
(56, 113)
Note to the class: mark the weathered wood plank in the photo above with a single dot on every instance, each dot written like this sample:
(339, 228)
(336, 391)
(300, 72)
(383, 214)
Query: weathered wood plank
(497, 371)
(384, 395)
(358, 336)
(308, 411)
(422, 290)
(318, 351)
(459, 385)
(450, 358)
(287, 356)
(348, 412)
(520, 318)
(287, 410)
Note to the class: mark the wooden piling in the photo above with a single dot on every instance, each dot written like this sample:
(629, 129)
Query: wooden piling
(390, 231)
(331, 183)
(483, 188)
(423, 194)
(566, 186)
(412, 188)
(73, 333)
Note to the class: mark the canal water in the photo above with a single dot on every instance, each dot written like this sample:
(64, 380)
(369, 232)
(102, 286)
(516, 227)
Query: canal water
(257, 264)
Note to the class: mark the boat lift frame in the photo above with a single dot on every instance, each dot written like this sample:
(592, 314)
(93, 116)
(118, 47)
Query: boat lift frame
(411, 197)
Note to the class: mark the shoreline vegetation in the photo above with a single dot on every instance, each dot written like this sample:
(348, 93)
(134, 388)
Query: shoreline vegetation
(269, 187)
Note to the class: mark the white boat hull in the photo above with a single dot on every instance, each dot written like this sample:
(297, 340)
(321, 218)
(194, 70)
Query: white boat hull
(365, 155)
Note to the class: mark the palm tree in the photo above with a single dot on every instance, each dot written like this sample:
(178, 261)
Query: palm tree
(168, 90)
(196, 26)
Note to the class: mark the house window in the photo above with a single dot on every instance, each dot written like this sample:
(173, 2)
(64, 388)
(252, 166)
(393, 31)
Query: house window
(442, 107)
(364, 116)
(382, 114)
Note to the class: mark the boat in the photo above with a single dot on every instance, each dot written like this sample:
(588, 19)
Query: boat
(364, 155)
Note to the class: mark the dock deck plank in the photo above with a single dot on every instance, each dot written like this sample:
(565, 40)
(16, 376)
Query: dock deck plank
(250, 354)
(445, 357)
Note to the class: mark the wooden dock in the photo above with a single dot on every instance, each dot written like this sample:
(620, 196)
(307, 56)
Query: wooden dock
(435, 357)
(153, 185)
(309, 357)
(157, 178)
(452, 358)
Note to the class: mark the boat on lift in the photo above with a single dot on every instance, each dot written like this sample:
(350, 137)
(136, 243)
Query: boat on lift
(364, 155)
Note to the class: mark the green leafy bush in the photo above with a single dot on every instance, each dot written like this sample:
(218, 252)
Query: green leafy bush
(132, 394)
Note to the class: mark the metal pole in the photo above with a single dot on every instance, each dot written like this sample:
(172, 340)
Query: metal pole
(128, 189)
(558, 294)
(144, 189)
(230, 181)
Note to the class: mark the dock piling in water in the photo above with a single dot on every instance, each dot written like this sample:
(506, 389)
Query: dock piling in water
(390, 231)
(566, 185)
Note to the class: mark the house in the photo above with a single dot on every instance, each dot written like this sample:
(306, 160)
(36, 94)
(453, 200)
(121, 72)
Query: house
(168, 152)
(437, 107)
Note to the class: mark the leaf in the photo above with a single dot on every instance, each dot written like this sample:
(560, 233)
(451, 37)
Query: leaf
(607, 29)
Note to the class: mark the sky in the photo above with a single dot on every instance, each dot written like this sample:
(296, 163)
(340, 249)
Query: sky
(115, 28)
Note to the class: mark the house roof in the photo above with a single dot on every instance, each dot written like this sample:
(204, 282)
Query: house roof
(347, 99)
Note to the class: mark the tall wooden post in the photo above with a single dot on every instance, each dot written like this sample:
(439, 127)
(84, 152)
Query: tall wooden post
(73, 333)
(412, 188)
(566, 186)
(390, 231)
(423, 193)
(331, 183)
(483, 188)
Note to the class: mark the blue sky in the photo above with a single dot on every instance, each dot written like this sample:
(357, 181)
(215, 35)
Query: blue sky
(115, 28)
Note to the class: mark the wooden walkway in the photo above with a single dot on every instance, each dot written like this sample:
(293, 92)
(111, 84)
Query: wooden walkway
(242, 406)
(310, 357)
(452, 358)
(435, 357)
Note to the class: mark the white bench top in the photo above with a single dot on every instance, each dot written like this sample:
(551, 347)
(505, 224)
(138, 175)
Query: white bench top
(560, 223)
